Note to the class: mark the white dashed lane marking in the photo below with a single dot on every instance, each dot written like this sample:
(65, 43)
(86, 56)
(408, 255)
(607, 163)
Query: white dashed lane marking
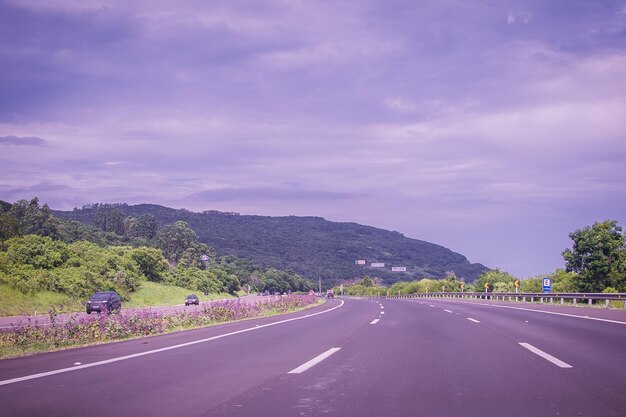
(313, 361)
(545, 355)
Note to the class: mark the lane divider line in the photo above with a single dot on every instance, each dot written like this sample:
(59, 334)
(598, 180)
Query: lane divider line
(447, 311)
(536, 311)
(545, 355)
(374, 321)
(473, 320)
(313, 361)
(150, 352)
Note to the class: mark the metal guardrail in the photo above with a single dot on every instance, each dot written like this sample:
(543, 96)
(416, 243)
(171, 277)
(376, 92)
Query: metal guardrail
(541, 297)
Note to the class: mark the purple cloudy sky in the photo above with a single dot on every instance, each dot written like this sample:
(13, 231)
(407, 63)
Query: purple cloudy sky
(494, 128)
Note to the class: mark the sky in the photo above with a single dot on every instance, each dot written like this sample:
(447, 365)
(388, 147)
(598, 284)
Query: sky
(494, 128)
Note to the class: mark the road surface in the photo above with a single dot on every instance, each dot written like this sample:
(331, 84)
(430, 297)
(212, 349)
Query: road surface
(345, 358)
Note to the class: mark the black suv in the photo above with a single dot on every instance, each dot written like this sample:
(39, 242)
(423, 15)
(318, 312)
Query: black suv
(192, 299)
(104, 300)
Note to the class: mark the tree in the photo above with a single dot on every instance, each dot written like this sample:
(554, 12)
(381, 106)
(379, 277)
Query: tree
(174, 239)
(32, 219)
(491, 277)
(40, 252)
(130, 227)
(146, 226)
(563, 281)
(231, 284)
(8, 227)
(151, 263)
(598, 256)
(194, 255)
(109, 218)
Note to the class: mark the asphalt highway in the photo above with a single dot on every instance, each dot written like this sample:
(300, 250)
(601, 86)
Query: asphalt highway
(344, 358)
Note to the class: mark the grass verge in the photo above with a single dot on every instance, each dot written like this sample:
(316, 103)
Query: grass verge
(16, 303)
(153, 294)
(31, 338)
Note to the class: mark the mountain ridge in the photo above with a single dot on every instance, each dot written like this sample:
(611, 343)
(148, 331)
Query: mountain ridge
(309, 245)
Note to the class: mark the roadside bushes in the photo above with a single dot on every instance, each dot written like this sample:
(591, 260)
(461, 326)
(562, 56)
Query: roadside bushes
(36, 263)
(213, 280)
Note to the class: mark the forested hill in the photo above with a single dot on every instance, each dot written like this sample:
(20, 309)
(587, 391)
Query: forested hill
(311, 246)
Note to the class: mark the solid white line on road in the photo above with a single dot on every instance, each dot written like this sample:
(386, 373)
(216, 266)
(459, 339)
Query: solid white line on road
(313, 361)
(382, 312)
(375, 321)
(149, 352)
(545, 355)
(473, 320)
(447, 311)
(381, 307)
(430, 305)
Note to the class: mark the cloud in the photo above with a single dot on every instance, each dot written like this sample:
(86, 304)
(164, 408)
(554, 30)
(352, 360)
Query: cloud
(269, 194)
(24, 141)
(438, 118)
(399, 104)
(522, 17)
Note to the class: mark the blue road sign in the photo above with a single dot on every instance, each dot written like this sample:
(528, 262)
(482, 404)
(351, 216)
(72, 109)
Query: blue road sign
(547, 285)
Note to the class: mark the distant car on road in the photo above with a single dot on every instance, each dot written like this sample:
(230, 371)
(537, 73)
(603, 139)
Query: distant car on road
(192, 299)
(330, 294)
(109, 301)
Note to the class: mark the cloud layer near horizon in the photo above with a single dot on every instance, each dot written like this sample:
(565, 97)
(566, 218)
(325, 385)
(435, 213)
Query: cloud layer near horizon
(494, 130)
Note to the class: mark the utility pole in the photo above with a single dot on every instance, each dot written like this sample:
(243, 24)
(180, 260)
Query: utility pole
(320, 284)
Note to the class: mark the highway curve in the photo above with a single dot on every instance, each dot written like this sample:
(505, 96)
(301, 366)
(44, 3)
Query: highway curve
(355, 358)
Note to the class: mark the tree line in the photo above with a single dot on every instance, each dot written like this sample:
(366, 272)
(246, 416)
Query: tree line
(39, 251)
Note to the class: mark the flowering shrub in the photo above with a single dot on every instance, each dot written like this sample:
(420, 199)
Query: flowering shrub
(32, 337)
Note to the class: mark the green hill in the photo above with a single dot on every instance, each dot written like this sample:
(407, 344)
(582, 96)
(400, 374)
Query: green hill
(311, 246)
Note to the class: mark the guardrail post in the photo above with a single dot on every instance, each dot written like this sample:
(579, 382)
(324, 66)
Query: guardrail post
(574, 301)
(532, 299)
(562, 300)
(607, 302)
(591, 301)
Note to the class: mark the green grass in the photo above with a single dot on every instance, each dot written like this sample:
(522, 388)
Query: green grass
(153, 294)
(16, 303)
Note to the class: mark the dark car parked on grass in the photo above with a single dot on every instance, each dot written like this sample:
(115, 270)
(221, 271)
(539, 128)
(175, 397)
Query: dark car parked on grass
(108, 301)
(192, 299)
